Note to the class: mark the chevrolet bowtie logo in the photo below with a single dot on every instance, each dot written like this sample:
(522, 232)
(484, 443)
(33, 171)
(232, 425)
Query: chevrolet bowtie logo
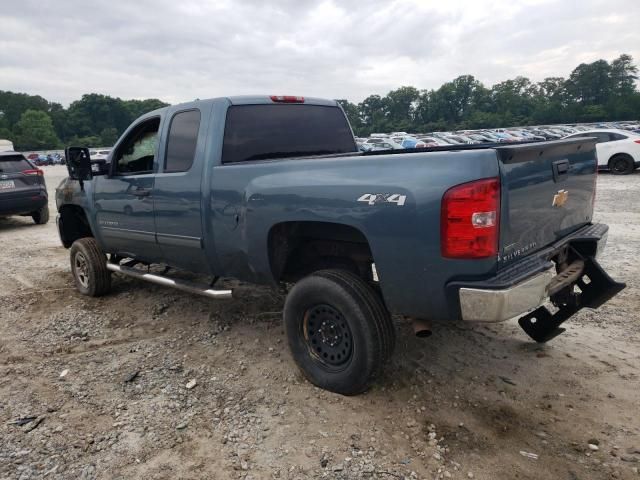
(560, 198)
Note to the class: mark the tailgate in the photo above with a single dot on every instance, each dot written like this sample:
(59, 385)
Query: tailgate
(547, 192)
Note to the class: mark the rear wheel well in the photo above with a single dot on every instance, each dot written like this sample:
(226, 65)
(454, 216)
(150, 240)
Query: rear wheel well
(297, 249)
(73, 224)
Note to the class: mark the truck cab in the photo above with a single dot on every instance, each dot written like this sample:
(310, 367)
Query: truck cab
(272, 190)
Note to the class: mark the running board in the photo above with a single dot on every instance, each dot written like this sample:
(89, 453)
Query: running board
(183, 285)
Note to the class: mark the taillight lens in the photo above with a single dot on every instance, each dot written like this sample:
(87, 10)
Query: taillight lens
(34, 171)
(470, 220)
(636, 141)
(286, 99)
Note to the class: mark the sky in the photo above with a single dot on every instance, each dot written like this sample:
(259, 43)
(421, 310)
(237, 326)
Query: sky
(179, 50)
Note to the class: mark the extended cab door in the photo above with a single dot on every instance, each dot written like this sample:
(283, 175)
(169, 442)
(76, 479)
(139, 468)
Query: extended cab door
(177, 192)
(124, 199)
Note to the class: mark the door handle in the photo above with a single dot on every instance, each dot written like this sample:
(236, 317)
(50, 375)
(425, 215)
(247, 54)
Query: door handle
(141, 192)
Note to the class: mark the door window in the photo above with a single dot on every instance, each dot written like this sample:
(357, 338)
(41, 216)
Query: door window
(601, 136)
(136, 154)
(183, 138)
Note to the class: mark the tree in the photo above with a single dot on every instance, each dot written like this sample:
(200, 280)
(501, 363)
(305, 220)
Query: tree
(400, 105)
(108, 136)
(590, 83)
(623, 76)
(34, 131)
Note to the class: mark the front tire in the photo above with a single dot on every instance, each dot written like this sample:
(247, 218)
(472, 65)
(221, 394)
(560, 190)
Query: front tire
(89, 268)
(339, 331)
(40, 217)
(621, 165)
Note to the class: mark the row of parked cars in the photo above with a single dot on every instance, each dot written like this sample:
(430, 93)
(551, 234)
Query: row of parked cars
(618, 143)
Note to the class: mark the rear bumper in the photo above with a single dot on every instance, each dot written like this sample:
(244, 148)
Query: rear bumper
(22, 203)
(482, 305)
(523, 287)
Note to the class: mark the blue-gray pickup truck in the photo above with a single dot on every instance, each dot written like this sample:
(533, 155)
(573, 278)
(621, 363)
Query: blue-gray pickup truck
(272, 190)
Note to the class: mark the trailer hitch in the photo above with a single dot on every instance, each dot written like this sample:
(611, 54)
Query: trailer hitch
(541, 325)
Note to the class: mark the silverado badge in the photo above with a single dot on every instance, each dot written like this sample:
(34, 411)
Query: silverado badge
(560, 198)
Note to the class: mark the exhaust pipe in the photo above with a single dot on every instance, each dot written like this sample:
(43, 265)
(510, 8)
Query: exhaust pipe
(421, 327)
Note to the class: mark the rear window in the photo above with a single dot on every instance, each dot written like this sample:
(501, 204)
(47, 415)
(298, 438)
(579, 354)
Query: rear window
(183, 139)
(259, 132)
(14, 164)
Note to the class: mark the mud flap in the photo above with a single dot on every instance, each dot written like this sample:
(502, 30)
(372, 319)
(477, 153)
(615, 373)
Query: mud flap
(541, 325)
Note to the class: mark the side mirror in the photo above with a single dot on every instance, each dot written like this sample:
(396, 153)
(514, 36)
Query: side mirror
(78, 163)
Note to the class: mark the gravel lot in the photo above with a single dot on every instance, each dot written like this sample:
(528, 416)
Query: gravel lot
(107, 382)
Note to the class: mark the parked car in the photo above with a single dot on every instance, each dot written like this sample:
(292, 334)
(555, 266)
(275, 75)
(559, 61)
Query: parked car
(277, 194)
(22, 188)
(618, 150)
(100, 154)
(433, 142)
(412, 142)
(389, 143)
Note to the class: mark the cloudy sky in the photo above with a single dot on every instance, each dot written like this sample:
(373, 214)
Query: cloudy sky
(178, 50)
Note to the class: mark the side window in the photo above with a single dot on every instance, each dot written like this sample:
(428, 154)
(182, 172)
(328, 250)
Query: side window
(617, 136)
(182, 141)
(135, 155)
(601, 136)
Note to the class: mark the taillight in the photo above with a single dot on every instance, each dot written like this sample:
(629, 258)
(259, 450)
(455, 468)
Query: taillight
(470, 220)
(34, 171)
(287, 99)
(636, 141)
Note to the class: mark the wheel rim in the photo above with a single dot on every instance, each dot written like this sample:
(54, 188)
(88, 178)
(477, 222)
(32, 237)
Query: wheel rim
(328, 336)
(82, 269)
(620, 165)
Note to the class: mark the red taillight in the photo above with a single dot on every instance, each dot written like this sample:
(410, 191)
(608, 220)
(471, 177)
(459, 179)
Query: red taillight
(35, 171)
(636, 141)
(470, 220)
(287, 99)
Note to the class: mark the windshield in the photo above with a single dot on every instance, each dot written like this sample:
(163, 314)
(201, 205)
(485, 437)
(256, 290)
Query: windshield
(258, 132)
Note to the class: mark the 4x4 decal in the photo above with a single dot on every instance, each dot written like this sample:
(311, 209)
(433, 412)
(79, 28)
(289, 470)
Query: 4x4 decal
(375, 198)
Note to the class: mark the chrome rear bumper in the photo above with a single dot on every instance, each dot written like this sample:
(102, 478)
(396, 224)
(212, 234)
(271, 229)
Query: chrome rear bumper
(499, 305)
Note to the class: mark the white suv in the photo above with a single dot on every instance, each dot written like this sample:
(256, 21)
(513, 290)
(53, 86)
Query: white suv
(618, 150)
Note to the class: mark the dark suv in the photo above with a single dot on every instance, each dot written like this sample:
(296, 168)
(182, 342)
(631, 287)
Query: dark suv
(22, 188)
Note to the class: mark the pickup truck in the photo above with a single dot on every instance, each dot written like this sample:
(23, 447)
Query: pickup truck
(272, 190)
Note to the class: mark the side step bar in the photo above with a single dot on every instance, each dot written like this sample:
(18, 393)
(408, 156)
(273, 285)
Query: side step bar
(178, 284)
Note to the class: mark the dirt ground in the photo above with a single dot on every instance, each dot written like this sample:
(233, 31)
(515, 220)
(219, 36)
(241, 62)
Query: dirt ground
(107, 381)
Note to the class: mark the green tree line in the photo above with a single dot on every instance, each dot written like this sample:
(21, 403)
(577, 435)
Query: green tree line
(594, 92)
(34, 123)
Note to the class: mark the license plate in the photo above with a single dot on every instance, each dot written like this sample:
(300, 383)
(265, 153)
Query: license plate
(7, 184)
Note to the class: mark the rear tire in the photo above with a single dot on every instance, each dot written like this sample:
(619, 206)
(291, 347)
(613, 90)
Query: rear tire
(621, 165)
(339, 331)
(89, 267)
(40, 217)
